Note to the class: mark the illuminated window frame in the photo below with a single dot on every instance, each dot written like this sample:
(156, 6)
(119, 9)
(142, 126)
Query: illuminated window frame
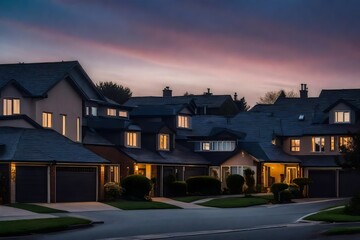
(63, 124)
(332, 143)
(111, 112)
(123, 114)
(183, 121)
(47, 120)
(164, 142)
(11, 106)
(132, 139)
(318, 144)
(78, 129)
(342, 117)
(295, 145)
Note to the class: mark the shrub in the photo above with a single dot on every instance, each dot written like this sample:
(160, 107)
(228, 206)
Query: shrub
(178, 189)
(259, 188)
(353, 207)
(203, 185)
(112, 191)
(250, 180)
(285, 196)
(235, 183)
(294, 190)
(302, 182)
(136, 186)
(276, 188)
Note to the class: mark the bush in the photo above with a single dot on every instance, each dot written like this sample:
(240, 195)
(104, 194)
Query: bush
(136, 186)
(203, 185)
(302, 182)
(294, 190)
(353, 207)
(259, 188)
(235, 183)
(276, 188)
(250, 180)
(285, 196)
(112, 191)
(178, 189)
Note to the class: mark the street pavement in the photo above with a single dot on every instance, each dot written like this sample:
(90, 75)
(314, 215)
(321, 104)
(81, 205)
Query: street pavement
(260, 222)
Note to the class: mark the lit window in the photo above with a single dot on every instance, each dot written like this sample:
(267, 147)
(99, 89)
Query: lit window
(111, 112)
(318, 144)
(345, 143)
(295, 145)
(342, 117)
(123, 114)
(163, 141)
(206, 146)
(78, 127)
(94, 111)
(63, 124)
(332, 143)
(183, 121)
(87, 111)
(47, 120)
(114, 173)
(218, 146)
(132, 139)
(11, 106)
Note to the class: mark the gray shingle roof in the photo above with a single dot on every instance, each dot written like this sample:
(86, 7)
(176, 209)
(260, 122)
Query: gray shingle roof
(42, 145)
(319, 161)
(157, 110)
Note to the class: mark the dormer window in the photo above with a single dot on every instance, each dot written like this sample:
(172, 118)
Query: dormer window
(11, 106)
(111, 112)
(183, 121)
(123, 114)
(215, 146)
(164, 142)
(301, 117)
(342, 117)
(132, 139)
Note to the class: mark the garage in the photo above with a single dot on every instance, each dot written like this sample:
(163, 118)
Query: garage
(347, 188)
(31, 184)
(76, 184)
(323, 183)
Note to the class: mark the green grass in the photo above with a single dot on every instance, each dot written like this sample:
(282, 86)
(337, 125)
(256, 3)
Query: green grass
(35, 208)
(235, 202)
(335, 215)
(22, 227)
(140, 205)
(342, 231)
(189, 199)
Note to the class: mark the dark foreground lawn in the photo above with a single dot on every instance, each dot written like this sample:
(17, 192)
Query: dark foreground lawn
(35, 208)
(140, 205)
(23, 227)
(334, 215)
(343, 231)
(236, 202)
(189, 199)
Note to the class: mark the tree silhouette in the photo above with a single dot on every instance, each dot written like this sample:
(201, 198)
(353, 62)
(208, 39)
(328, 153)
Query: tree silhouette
(114, 91)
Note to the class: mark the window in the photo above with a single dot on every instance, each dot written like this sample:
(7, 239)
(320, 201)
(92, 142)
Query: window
(332, 143)
(87, 111)
(123, 114)
(318, 144)
(342, 117)
(206, 146)
(301, 117)
(47, 120)
(217, 146)
(163, 141)
(63, 124)
(345, 143)
(94, 111)
(78, 127)
(132, 139)
(11, 106)
(114, 173)
(111, 112)
(183, 121)
(295, 145)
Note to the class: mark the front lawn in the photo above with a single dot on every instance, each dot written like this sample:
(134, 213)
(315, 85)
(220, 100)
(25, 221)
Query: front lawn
(22, 227)
(334, 215)
(140, 205)
(189, 199)
(236, 202)
(342, 231)
(35, 208)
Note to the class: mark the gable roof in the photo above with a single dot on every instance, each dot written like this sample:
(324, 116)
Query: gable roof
(42, 145)
(157, 110)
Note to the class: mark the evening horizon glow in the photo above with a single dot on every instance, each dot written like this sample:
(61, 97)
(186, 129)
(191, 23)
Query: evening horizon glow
(248, 47)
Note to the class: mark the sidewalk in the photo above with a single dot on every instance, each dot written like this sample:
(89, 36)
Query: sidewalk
(177, 203)
(10, 213)
(229, 196)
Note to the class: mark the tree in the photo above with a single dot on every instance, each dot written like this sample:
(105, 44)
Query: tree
(188, 94)
(114, 91)
(271, 96)
(242, 105)
(250, 180)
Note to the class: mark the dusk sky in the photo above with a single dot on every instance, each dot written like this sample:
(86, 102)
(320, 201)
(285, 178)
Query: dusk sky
(248, 47)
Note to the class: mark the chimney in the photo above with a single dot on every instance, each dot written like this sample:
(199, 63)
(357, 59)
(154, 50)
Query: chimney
(208, 93)
(167, 92)
(303, 91)
(235, 97)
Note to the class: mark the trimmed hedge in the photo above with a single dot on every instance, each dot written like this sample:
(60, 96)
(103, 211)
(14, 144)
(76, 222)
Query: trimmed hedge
(276, 188)
(178, 189)
(203, 185)
(112, 191)
(302, 182)
(235, 183)
(250, 180)
(136, 186)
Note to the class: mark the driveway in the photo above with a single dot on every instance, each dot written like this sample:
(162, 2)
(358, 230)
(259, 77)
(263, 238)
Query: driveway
(10, 213)
(76, 207)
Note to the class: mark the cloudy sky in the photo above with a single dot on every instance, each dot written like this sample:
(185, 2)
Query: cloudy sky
(248, 47)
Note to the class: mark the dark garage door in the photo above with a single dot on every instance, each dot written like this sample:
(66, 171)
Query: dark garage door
(323, 183)
(348, 183)
(75, 184)
(31, 184)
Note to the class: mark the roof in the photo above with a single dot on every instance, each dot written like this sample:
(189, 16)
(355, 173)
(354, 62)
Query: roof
(102, 122)
(329, 96)
(218, 158)
(152, 127)
(22, 117)
(157, 110)
(319, 161)
(42, 145)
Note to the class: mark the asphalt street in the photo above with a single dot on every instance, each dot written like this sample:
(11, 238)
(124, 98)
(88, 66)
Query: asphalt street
(260, 222)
